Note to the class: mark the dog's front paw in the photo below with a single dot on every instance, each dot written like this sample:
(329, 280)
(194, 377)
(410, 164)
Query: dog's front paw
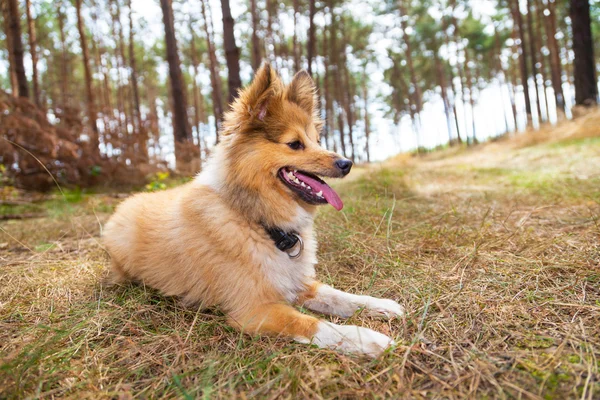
(351, 339)
(383, 308)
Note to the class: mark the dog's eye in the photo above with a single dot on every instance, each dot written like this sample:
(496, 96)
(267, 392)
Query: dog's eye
(297, 145)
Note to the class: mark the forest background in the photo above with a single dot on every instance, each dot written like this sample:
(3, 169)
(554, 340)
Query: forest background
(113, 91)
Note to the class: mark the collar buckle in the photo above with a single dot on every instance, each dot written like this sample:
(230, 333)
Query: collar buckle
(290, 243)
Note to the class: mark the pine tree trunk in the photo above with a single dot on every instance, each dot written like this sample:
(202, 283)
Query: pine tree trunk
(518, 19)
(256, 58)
(91, 107)
(295, 38)
(543, 58)
(367, 122)
(327, 89)
(451, 89)
(232, 52)
(349, 108)
(14, 24)
(33, 51)
(140, 131)
(586, 84)
(123, 62)
(469, 79)
(555, 64)
(64, 70)
(409, 59)
(311, 34)
(442, 83)
(215, 79)
(181, 127)
(337, 84)
(533, 57)
(270, 43)
(14, 84)
(196, 95)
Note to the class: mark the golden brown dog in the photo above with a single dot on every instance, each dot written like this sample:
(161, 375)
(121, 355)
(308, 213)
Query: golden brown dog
(240, 236)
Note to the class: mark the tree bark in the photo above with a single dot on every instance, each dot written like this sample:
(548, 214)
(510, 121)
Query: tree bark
(555, 64)
(518, 19)
(215, 79)
(91, 108)
(311, 34)
(442, 83)
(196, 95)
(14, 84)
(409, 60)
(14, 25)
(256, 58)
(33, 51)
(586, 84)
(327, 92)
(295, 38)
(140, 131)
(367, 122)
(533, 60)
(232, 52)
(543, 58)
(64, 70)
(181, 127)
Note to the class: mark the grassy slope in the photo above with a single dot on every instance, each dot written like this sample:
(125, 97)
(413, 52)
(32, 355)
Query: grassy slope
(494, 251)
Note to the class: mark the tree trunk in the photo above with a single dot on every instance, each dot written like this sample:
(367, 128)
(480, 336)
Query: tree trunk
(64, 70)
(533, 60)
(469, 79)
(140, 131)
(311, 34)
(555, 64)
(33, 51)
(232, 52)
(329, 129)
(91, 108)
(586, 85)
(181, 127)
(452, 93)
(123, 62)
(14, 25)
(442, 83)
(543, 59)
(196, 94)
(295, 38)
(256, 58)
(367, 122)
(14, 84)
(215, 79)
(337, 84)
(518, 19)
(409, 60)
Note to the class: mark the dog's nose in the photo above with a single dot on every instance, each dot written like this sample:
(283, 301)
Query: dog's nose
(344, 165)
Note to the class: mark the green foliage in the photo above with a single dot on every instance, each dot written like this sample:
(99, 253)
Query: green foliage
(158, 182)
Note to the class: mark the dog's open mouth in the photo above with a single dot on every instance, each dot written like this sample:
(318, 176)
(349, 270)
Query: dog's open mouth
(310, 188)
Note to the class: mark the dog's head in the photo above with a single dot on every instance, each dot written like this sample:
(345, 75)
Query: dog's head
(272, 134)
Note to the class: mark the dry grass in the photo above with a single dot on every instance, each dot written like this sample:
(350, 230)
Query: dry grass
(495, 252)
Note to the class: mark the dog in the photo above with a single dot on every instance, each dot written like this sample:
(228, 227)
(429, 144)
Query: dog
(240, 236)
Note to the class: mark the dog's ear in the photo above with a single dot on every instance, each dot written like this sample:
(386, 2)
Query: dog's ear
(303, 92)
(264, 87)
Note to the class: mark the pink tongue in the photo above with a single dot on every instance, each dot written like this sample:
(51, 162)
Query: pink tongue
(330, 195)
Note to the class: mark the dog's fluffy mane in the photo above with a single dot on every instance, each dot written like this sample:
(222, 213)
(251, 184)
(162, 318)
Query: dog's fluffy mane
(263, 110)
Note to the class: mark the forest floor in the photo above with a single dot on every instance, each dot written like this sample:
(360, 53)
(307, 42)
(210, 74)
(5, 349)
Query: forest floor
(493, 250)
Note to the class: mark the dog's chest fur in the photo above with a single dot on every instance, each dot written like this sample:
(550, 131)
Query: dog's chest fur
(290, 276)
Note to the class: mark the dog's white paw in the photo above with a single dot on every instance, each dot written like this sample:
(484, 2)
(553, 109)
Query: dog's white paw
(351, 339)
(382, 308)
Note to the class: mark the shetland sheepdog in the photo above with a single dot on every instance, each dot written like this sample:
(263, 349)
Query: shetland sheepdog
(240, 236)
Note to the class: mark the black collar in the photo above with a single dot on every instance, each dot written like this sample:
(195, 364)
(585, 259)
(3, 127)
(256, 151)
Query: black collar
(283, 240)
